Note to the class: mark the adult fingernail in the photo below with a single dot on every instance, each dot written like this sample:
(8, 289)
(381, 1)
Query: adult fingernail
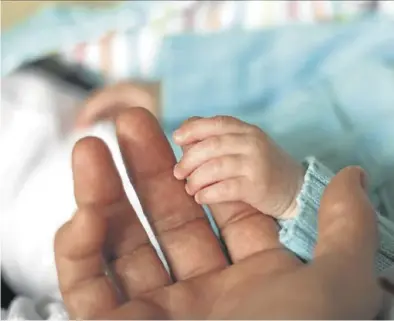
(363, 178)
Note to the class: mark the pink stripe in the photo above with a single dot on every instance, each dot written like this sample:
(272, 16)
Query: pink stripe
(293, 10)
(189, 16)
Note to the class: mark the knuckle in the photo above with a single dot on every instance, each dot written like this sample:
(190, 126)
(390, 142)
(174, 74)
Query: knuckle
(214, 143)
(220, 120)
(223, 189)
(229, 188)
(217, 166)
(188, 156)
(252, 144)
(248, 167)
(259, 144)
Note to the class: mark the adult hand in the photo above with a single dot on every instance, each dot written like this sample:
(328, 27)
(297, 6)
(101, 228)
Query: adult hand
(264, 279)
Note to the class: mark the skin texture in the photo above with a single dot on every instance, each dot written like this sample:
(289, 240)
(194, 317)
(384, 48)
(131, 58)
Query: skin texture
(263, 280)
(229, 161)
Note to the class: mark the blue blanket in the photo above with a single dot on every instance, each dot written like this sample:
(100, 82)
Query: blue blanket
(326, 90)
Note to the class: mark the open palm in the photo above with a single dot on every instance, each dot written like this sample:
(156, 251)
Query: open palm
(263, 277)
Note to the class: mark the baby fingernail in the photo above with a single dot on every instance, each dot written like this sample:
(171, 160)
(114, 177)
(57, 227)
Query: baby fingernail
(197, 198)
(178, 136)
(176, 172)
(363, 178)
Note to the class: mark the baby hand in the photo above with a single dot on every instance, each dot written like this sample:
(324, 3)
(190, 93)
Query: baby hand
(228, 160)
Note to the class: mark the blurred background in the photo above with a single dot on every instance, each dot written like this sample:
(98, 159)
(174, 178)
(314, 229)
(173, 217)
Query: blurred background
(14, 12)
(318, 76)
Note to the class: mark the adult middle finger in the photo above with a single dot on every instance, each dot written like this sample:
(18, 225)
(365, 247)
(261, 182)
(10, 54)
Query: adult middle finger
(180, 225)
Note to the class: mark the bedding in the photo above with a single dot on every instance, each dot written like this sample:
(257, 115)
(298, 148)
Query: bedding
(325, 90)
(330, 96)
(122, 41)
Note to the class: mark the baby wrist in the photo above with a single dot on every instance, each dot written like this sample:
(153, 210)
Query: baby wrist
(299, 234)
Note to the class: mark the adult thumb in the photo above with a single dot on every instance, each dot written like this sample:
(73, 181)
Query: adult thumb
(347, 221)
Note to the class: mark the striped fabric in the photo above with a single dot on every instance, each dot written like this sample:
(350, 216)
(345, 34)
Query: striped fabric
(121, 54)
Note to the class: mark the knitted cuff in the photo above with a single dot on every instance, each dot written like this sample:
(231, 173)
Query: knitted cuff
(385, 255)
(299, 235)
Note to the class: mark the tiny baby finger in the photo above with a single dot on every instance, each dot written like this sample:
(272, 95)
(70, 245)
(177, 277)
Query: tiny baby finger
(203, 128)
(225, 191)
(215, 170)
(210, 148)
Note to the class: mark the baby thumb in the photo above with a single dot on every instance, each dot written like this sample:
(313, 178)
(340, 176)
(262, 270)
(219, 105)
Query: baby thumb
(347, 220)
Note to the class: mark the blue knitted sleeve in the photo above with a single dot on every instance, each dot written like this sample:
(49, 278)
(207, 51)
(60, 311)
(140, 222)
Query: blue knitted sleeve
(300, 234)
